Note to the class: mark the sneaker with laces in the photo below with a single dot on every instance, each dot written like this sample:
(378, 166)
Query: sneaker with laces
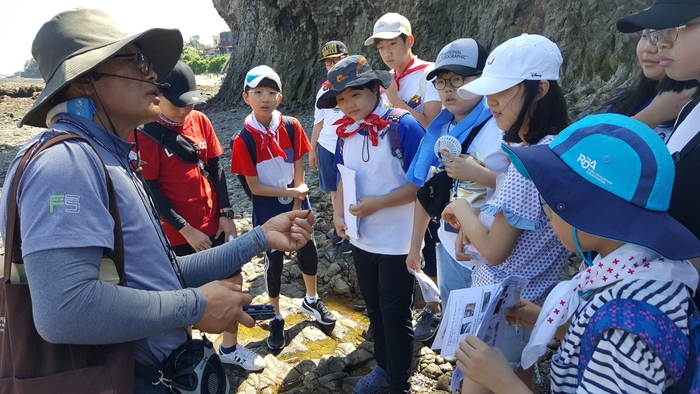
(345, 247)
(275, 340)
(427, 324)
(335, 239)
(319, 311)
(372, 383)
(244, 358)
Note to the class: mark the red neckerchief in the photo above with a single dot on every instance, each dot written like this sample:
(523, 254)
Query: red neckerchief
(407, 71)
(373, 123)
(268, 140)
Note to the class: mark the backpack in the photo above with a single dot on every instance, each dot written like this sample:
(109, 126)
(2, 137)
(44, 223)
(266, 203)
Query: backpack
(662, 335)
(394, 116)
(247, 138)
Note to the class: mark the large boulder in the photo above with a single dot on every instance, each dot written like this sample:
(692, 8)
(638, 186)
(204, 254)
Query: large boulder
(287, 35)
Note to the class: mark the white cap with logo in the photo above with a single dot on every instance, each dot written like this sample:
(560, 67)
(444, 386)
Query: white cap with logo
(527, 57)
(258, 73)
(388, 27)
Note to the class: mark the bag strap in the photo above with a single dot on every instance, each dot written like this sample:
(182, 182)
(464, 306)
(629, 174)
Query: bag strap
(646, 321)
(394, 116)
(13, 235)
(472, 135)
(171, 140)
(289, 127)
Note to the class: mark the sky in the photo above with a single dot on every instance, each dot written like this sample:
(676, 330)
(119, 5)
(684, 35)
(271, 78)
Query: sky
(22, 19)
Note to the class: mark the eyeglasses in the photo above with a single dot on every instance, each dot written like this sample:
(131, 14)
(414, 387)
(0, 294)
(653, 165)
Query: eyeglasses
(260, 94)
(145, 66)
(330, 62)
(455, 81)
(545, 208)
(669, 35)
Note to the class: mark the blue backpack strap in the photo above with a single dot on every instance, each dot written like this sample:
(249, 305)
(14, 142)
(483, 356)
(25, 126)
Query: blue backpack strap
(394, 116)
(646, 321)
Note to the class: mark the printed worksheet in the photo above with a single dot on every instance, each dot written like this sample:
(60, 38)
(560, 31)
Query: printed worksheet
(477, 310)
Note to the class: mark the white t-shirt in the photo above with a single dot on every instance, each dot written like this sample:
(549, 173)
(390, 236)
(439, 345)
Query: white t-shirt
(409, 89)
(685, 131)
(388, 230)
(327, 137)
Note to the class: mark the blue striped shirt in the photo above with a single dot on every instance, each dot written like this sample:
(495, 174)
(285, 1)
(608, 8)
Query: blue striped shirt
(622, 362)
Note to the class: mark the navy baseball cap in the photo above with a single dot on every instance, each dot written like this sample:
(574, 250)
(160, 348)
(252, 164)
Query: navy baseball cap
(610, 176)
(351, 72)
(183, 86)
(662, 15)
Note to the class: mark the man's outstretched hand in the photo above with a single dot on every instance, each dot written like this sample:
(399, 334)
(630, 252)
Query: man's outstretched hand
(289, 231)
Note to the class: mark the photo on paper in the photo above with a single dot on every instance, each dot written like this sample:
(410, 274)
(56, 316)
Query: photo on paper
(485, 301)
(466, 327)
(469, 310)
(490, 335)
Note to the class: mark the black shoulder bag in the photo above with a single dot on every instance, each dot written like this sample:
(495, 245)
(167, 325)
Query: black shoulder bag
(176, 144)
(435, 193)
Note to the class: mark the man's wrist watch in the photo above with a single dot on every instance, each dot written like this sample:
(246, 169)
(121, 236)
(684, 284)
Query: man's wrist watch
(226, 214)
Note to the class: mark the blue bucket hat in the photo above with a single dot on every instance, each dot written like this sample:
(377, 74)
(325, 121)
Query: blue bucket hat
(351, 72)
(610, 176)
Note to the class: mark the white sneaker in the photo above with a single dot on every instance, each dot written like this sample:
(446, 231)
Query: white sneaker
(244, 358)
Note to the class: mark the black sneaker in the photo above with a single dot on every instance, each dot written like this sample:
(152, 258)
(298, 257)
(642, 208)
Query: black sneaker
(427, 324)
(345, 247)
(318, 311)
(275, 340)
(335, 239)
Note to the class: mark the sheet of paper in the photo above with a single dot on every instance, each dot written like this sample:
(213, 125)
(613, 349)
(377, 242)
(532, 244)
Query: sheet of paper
(349, 197)
(479, 311)
(430, 291)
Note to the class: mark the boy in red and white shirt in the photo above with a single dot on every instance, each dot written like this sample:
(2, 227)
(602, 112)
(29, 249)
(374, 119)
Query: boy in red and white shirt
(276, 181)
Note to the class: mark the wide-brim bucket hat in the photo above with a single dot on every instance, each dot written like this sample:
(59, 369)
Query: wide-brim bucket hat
(76, 41)
(610, 176)
(351, 72)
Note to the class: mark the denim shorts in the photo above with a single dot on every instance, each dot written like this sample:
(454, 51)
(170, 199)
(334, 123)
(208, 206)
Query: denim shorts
(328, 177)
(514, 343)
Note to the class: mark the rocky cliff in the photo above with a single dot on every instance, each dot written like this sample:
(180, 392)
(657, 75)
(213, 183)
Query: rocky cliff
(287, 35)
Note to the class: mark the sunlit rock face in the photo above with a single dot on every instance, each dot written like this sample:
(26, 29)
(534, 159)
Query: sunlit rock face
(287, 35)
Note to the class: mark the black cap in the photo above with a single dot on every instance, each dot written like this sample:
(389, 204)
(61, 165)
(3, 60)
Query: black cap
(183, 86)
(333, 49)
(662, 15)
(353, 71)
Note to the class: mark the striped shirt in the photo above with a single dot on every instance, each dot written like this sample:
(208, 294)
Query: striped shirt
(622, 362)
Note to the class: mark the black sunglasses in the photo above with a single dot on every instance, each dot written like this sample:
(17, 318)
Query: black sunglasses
(145, 66)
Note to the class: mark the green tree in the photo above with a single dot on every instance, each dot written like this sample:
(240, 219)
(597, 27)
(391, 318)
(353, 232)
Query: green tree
(216, 64)
(31, 69)
(194, 42)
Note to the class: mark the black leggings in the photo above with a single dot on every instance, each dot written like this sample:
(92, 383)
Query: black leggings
(387, 288)
(307, 258)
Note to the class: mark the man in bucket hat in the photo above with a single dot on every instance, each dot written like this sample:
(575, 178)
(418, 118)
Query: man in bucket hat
(605, 182)
(100, 84)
